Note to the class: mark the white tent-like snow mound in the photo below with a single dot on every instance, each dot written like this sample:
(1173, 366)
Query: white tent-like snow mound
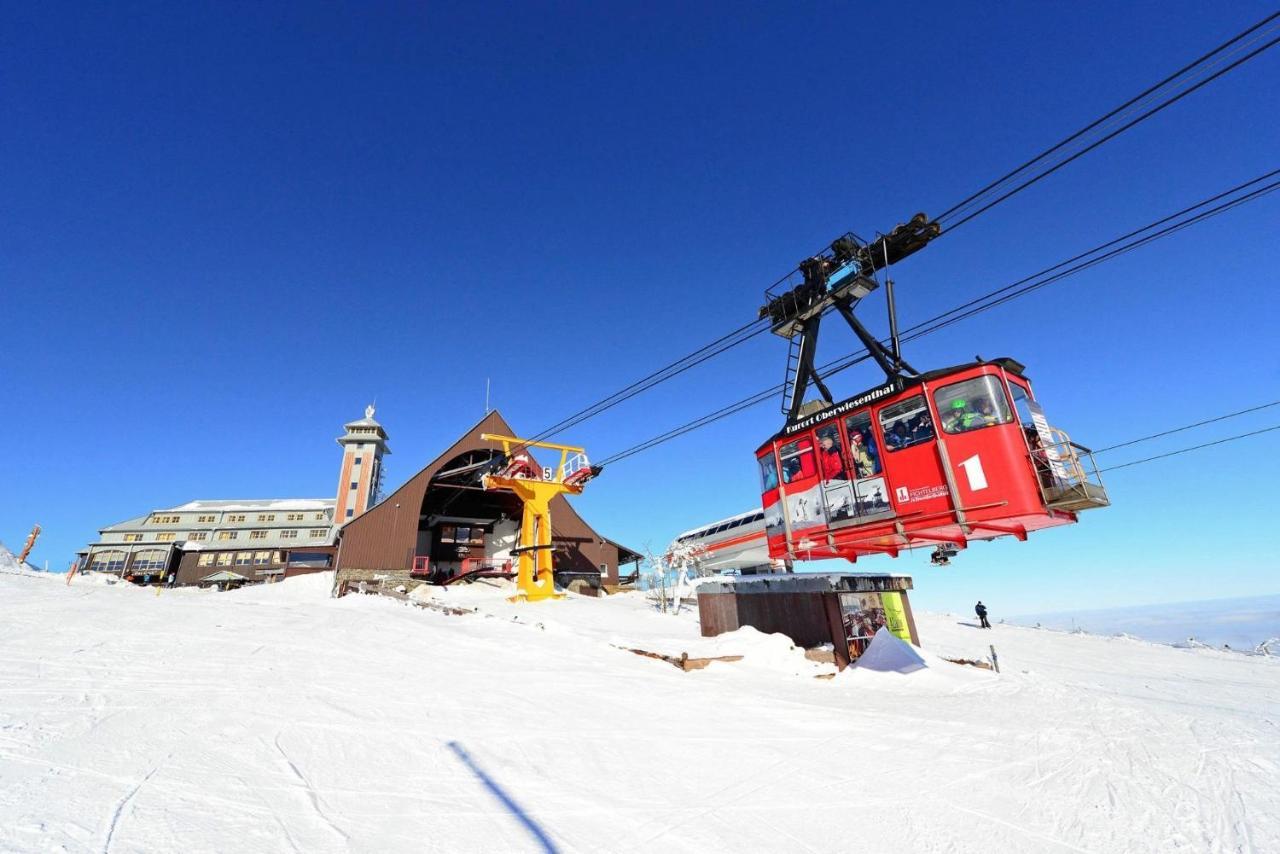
(889, 653)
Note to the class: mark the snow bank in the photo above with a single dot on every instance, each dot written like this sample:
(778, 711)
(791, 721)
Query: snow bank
(888, 653)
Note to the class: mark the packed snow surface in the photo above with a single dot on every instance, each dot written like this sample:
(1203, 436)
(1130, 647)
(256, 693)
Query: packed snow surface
(277, 719)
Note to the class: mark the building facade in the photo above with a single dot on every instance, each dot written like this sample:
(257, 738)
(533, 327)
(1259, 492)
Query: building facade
(437, 521)
(256, 540)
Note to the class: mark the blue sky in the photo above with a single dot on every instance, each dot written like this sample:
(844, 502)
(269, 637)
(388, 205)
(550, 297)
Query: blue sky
(225, 228)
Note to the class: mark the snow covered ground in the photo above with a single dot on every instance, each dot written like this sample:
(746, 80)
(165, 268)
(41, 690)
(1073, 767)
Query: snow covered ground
(277, 719)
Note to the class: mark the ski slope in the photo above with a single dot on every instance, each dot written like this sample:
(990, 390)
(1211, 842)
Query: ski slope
(277, 719)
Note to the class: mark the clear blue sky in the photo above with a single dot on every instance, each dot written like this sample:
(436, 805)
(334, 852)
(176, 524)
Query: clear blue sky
(226, 228)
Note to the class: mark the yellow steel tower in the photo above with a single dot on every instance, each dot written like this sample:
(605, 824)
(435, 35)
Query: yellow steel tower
(535, 487)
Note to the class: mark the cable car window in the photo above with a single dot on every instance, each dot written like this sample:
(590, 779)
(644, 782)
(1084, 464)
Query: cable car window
(1022, 404)
(768, 473)
(972, 404)
(906, 423)
(797, 460)
(862, 445)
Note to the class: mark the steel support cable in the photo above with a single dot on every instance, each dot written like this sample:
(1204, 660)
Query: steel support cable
(1189, 426)
(679, 366)
(945, 319)
(1190, 449)
(1133, 104)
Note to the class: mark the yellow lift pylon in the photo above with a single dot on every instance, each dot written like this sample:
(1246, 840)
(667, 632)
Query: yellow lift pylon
(535, 487)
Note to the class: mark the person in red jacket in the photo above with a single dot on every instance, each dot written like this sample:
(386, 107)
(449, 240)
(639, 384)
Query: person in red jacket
(830, 459)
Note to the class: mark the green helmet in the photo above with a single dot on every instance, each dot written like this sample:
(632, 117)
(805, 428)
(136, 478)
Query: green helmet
(960, 403)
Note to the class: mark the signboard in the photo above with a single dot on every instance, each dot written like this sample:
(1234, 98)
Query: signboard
(844, 406)
(1046, 440)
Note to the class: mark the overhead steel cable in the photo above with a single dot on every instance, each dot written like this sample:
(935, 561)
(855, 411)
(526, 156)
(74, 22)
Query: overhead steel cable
(738, 336)
(1266, 31)
(1049, 275)
(1188, 427)
(1190, 449)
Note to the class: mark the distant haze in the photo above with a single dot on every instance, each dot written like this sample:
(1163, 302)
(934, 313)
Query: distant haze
(1242, 623)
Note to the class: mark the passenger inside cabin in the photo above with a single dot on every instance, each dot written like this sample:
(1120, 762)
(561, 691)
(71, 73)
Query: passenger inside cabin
(790, 469)
(921, 427)
(898, 436)
(960, 417)
(829, 456)
(987, 411)
(863, 453)
(768, 474)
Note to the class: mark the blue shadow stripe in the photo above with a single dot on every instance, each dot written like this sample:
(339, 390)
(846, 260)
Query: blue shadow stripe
(504, 798)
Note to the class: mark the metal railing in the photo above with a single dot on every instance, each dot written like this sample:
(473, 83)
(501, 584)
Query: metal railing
(1067, 473)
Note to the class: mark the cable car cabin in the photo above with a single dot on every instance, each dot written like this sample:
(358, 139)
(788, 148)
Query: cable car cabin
(942, 458)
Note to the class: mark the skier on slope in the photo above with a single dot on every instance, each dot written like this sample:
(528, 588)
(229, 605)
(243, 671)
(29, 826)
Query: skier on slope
(981, 611)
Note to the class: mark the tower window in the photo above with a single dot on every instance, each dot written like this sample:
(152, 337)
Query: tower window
(355, 485)
(350, 513)
(359, 460)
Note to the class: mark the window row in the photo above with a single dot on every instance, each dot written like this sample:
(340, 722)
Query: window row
(291, 534)
(962, 407)
(240, 559)
(150, 561)
(722, 527)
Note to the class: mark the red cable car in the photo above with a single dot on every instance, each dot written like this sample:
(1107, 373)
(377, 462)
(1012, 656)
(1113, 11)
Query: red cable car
(938, 458)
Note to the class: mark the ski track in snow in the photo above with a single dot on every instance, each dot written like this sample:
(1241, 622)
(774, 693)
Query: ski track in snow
(287, 721)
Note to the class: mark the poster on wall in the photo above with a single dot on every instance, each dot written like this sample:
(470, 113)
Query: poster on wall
(862, 614)
(872, 496)
(805, 510)
(773, 526)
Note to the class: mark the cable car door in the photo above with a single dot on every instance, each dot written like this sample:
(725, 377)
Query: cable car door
(988, 459)
(802, 499)
(917, 483)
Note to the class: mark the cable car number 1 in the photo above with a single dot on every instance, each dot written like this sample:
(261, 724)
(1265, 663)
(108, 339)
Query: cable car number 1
(973, 470)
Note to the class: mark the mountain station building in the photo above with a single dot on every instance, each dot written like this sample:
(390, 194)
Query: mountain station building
(434, 526)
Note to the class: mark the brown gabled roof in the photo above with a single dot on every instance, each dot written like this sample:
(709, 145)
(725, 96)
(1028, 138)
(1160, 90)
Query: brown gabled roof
(385, 536)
